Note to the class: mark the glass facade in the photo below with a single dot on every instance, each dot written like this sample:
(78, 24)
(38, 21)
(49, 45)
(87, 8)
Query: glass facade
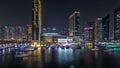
(98, 30)
(74, 24)
(105, 28)
(12, 33)
(117, 24)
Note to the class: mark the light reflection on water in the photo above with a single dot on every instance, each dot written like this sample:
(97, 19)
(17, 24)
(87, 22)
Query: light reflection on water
(35, 60)
(65, 55)
(58, 57)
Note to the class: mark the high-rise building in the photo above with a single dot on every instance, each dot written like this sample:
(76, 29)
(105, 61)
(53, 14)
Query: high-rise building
(74, 24)
(36, 20)
(20, 32)
(12, 33)
(64, 31)
(89, 30)
(105, 28)
(98, 30)
(6, 33)
(88, 36)
(29, 32)
(117, 24)
(1, 33)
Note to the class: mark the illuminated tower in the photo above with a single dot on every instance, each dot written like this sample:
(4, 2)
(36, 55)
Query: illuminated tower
(74, 24)
(98, 30)
(29, 32)
(105, 28)
(36, 20)
(117, 24)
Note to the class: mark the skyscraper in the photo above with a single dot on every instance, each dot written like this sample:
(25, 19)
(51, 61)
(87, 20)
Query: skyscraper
(29, 32)
(20, 32)
(36, 20)
(117, 24)
(89, 30)
(74, 24)
(6, 33)
(98, 30)
(105, 28)
(13, 33)
(1, 33)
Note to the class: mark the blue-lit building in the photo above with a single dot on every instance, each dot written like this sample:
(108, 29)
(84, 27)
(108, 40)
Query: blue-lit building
(117, 24)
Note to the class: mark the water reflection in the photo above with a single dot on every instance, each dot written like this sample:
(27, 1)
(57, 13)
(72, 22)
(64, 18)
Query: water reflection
(33, 61)
(116, 55)
(65, 56)
(62, 58)
(88, 60)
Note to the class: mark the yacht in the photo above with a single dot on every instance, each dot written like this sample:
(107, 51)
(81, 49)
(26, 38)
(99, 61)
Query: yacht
(23, 54)
(29, 49)
(108, 50)
(95, 49)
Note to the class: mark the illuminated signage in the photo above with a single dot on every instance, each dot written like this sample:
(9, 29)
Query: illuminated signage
(64, 40)
(88, 28)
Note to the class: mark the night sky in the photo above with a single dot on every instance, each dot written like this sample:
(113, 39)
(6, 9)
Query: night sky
(55, 12)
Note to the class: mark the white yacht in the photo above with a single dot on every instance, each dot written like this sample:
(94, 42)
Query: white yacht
(23, 55)
(29, 49)
(108, 50)
(95, 49)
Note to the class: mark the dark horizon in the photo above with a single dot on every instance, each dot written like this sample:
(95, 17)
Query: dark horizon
(55, 13)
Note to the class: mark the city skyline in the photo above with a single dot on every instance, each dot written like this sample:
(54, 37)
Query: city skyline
(55, 13)
(59, 34)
